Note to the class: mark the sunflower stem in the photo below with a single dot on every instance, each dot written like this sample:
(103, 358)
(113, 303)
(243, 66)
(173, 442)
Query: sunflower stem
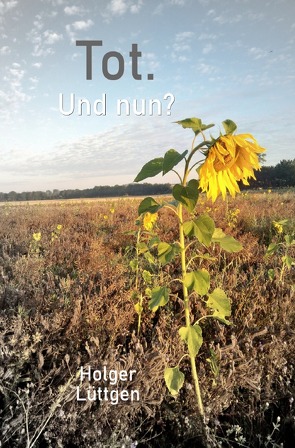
(187, 307)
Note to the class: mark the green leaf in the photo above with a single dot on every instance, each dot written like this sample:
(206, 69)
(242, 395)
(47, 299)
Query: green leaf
(271, 274)
(272, 248)
(138, 308)
(154, 241)
(188, 228)
(289, 240)
(166, 252)
(220, 303)
(227, 242)
(160, 296)
(192, 335)
(148, 292)
(198, 281)
(187, 195)
(213, 362)
(202, 228)
(133, 264)
(288, 261)
(150, 169)
(149, 257)
(195, 124)
(147, 276)
(148, 205)
(229, 126)
(142, 247)
(174, 379)
(171, 159)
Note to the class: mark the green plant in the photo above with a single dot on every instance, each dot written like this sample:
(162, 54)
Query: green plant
(285, 241)
(143, 264)
(224, 161)
(35, 244)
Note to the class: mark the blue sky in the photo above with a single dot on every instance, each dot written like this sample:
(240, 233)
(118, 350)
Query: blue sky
(219, 59)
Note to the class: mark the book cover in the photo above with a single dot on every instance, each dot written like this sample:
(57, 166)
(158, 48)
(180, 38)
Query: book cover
(105, 340)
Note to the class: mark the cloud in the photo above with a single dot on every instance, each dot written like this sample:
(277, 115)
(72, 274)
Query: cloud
(178, 2)
(159, 8)
(257, 53)
(79, 25)
(206, 69)
(7, 5)
(73, 10)
(82, 25)
(151, 62)
(37, 64)
(34, 81)
(118, 7)
(228, 18)
(135, 8)
(121, 7)
(42, 41)
(207, 49)
(206, 36)
(12, 96)
(5, 50)
(85, 157)
(182, 43)
(38, 23)
(51, 37)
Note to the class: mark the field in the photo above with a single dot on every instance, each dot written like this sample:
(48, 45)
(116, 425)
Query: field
(67, 300)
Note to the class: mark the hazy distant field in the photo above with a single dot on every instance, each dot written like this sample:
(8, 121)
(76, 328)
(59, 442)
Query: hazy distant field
(66, 301)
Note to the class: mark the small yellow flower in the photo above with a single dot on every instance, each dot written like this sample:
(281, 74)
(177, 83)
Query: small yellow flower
(149, 220)
(58, 227)
(37, 236)
(232, 158)
(278, 226)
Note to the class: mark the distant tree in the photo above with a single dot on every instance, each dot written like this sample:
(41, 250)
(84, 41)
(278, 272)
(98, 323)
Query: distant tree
(284, 173)
(281, 175)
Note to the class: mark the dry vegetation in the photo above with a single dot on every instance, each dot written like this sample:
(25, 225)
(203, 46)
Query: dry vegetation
(66, 301)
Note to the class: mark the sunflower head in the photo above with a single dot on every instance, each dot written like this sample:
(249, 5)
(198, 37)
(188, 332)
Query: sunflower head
(230, 159)
(149, 220)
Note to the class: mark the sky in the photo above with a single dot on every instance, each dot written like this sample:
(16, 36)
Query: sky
(211, 59)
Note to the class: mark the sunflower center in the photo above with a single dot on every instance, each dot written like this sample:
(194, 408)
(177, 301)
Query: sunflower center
(227, 162)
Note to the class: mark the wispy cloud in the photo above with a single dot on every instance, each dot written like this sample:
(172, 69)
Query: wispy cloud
(13, 95)
(207, 36)
(206, 69)
(121, 7)
(73, 10)
(207, 49)
(118, 7)
(178, 2)
(257, 53)
(79, 25)
(37, 65)
(42, 41)
(182, 45)
(85, 157)
(7, 5)
(51, 37)
(224, 19)
(82, 25)
(5, 50)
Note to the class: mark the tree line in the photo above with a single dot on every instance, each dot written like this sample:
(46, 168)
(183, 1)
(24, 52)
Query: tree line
(281, 175)
(104, 191)
(278, 176)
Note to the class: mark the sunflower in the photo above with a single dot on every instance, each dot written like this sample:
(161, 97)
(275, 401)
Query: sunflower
(149, 220)
(232, 158)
